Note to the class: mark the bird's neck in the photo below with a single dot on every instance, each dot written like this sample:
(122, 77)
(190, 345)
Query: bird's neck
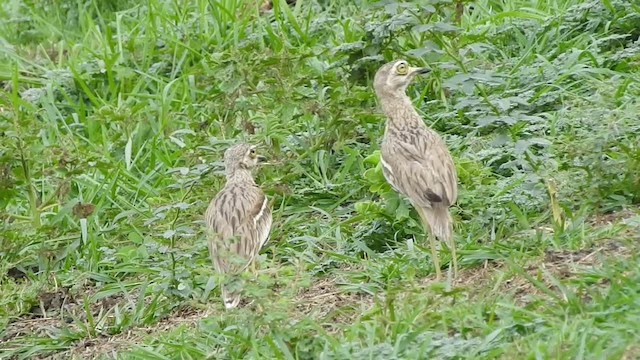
(240, 175)
(399, 110)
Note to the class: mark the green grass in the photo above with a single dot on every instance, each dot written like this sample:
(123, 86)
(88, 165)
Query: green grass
(114, 116)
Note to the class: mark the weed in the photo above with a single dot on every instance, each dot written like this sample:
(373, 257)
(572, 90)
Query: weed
(114, 116)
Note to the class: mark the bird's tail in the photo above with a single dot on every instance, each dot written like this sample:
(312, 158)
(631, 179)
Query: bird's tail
(230, 297)
(438, 220)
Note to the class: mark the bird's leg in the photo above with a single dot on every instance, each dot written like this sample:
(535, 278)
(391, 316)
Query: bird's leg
(253, 267)
(454, 257)
(434, 255)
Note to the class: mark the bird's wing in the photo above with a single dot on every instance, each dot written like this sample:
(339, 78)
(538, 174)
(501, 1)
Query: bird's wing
(239, 220)
(258, 224)
(424, 172)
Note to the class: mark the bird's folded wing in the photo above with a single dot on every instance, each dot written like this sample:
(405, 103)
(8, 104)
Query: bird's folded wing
(239, 221)
(427, 177)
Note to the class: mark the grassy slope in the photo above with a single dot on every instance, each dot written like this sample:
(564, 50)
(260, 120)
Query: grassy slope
(127, 110)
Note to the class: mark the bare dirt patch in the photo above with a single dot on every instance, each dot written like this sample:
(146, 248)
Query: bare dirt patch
(477, 276)
(326, 300)
(559, 265)
(102, 345)
(585, 257)
(64, 308)
(47, 314)
(613, 217)
(553, 264)
(59, 309)
(632, 352)
(323, 299)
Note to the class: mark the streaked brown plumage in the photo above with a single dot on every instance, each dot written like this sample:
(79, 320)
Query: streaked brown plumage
(238, 219)
(415, 160)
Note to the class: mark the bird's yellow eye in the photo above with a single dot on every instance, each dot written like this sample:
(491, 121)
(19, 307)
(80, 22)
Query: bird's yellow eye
(402, 68)
(252, 152)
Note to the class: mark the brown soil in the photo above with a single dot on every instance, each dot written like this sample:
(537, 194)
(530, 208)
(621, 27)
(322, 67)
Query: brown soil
(323, 299)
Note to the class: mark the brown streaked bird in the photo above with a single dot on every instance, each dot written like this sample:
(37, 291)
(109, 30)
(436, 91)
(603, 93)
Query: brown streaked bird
(414, 158)
(238, 220)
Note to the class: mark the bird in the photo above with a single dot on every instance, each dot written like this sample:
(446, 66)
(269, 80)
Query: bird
(238, 220)
(415, 160)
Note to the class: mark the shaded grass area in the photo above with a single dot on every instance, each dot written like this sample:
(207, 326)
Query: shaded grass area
(114, 117)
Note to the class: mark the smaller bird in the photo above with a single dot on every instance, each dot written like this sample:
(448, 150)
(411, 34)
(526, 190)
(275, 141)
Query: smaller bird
(238, 220)
(415, 161)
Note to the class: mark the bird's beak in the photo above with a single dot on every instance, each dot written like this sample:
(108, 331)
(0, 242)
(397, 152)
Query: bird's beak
(261, 158)
(420, 70)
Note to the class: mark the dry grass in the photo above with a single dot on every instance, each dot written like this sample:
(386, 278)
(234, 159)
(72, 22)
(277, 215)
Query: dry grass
(104, 345)
(325, 300)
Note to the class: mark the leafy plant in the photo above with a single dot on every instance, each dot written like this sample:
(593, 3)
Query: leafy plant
(114, 116)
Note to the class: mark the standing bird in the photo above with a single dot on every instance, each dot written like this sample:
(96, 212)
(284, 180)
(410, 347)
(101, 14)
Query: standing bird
(238, 219)
(415, 161)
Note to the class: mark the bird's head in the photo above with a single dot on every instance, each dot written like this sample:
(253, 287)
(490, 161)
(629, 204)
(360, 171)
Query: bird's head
(241, 156)
(393, 77)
